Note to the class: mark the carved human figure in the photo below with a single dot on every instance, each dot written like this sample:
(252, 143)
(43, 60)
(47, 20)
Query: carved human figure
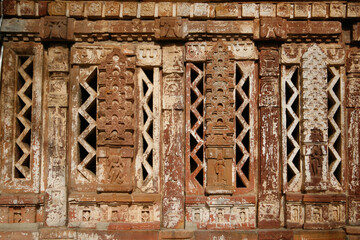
(220, 169)
(115, 170)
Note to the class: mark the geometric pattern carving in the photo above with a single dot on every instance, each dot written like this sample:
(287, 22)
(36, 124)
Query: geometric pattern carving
(147, 160)
(314, 95)
(291, 129)
(335, 118)
(195, 128)
(87, 124)
(321, 96)
(219, 119)
(24, 112)
(315, 118)
(115, 123)
(244, 123)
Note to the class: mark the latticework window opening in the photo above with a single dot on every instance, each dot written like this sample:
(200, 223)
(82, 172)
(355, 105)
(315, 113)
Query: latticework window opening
(147, 162)
(245, 126)
(195, 127)
(335, 120)
(23, 117)
(291, 127)
(242, 124)
(87, 120)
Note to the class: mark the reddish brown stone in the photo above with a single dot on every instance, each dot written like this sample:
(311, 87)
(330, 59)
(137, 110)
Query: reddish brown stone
(272, 28)
(274, 235)
(9, 7)
(269, 63)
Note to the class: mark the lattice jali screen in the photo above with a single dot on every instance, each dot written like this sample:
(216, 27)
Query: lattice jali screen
(21, 117)
(84, 126)
(244, 122)
(292, 96)
(147, 160)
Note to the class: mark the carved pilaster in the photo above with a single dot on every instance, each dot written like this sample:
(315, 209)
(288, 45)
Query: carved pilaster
(58, 76)
(270, 181)
(173, 136)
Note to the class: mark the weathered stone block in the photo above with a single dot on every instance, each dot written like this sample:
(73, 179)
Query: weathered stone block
(165, 9)
(129, 9)
(301, 10)
(227, 10)
(57, 8)
(250, 10)
(267, 10)
(112, 9)
(147, 9)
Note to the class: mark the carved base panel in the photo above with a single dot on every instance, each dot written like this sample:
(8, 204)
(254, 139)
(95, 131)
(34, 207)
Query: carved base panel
(114, 212)
(315, 212)
(220, 213)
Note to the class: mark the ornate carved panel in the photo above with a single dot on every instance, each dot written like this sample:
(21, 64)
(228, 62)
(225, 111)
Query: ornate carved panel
(328, 134)
(221, 132)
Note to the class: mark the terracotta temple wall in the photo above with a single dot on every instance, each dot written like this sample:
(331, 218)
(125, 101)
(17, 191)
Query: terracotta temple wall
(180, 120)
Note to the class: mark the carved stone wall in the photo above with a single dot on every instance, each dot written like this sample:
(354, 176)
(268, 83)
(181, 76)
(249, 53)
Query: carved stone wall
(180, 120)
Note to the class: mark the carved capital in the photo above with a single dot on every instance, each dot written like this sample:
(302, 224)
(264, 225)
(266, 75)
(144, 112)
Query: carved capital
(273, 28)
(55, 28)
(169, 28)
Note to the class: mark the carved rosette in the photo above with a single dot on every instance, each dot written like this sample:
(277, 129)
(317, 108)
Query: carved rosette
(115, 123)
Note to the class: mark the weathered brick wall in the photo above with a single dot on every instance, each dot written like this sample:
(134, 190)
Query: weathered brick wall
(180, 120)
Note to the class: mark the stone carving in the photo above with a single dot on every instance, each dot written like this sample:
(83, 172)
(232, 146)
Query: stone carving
(238, 216)
(148, 159)
(335, 93)
(195, 131)
(315, 122)
(269, 201)
(55, 28)
(219, 117)
(353, 152)
(173, 133)
(269, 63)
(175, 61)
(353, 60)
(58, 59)
(89, 54)
(269, 93)
(243, 50)
(82, 129)
(148, 55)
(21, 113)
(170, 28)
(196, 51)
(245, 112)
(116, 100)
(272, 28)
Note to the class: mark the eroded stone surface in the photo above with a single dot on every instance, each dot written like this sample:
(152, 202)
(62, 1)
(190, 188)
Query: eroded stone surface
(184, 120)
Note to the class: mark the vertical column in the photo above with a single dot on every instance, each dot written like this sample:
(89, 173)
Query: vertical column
(56, 191)
(353, 133)
(219, 121)
(173, 136)
(116, 123)
(315, 120)
(270, 182)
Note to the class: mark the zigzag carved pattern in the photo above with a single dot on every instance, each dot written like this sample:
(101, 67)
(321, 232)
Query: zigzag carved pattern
(22, 163)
